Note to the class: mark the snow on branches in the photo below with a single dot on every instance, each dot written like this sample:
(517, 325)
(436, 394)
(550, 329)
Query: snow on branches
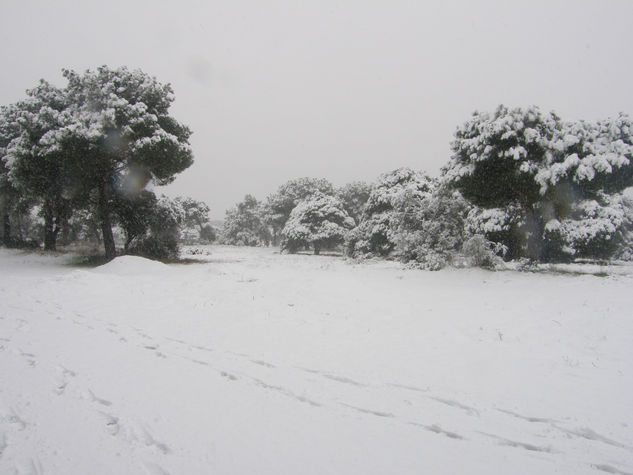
(319, 221)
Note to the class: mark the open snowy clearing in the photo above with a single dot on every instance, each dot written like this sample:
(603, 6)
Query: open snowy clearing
(255, 362)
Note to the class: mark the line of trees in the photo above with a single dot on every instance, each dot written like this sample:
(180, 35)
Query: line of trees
(519, 184)
(82, 156)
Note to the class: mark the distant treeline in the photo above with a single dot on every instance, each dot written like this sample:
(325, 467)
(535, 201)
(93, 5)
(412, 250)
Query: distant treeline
(520, 184)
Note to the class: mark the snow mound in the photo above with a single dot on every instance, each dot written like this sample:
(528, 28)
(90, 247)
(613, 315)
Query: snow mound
(131, 265)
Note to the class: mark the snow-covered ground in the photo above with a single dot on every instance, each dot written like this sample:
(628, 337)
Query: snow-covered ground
(255, 362)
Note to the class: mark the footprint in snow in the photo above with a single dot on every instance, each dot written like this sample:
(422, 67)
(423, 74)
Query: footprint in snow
(150, 441)
(98, 400)
(263, 363)
(609, 469)
(29, 358)
(112, 424)
(527, 418)
(14, 419)
(438, 430)
(63, 380)
(449, 402)
(369, 411)
(520, 445)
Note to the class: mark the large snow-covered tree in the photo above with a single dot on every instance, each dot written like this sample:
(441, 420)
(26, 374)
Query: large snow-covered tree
(9, 195)
(280, 204)
(385, 209)
(244, 224)
(496, 158)
(319, 221)
(117, 125)
(37, 170)
(544, 181)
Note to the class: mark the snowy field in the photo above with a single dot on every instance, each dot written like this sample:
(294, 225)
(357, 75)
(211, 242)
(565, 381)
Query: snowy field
(258, 363)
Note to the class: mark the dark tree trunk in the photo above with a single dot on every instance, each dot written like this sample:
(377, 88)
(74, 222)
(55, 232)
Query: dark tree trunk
(5, 239)
(317, 249)
(106, 223)
(534, 234)
(50, 236)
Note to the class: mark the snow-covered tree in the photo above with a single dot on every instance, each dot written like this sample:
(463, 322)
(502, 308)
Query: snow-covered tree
(279, 205)
(385, 210)
(319, 221)
(433, 229)
(160, 240)
(117, 126)
(244, 225)
(36, 170)
(625, 200)
(9, 195)
(496, 158)
(196, 219)
(549, 178)
(354, 195)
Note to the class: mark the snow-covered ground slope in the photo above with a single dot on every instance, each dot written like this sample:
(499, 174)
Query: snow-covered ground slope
(255, 362)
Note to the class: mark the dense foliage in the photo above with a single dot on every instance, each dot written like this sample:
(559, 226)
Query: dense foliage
(279, 205)
(386, 207)
(244, 225)
(319, 222)
(92, 146)
(545, 188)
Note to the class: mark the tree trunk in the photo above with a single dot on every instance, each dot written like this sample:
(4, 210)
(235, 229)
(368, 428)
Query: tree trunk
(534, 231)
(50, 236)
(6, 230)
(317, 249)
(106, 223)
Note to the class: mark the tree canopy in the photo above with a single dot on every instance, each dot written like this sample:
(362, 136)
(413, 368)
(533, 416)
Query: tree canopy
(544, 178)
(319, 221)
(107, 132)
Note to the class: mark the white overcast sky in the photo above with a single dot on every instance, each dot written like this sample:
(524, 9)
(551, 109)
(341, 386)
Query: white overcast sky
(343, 89)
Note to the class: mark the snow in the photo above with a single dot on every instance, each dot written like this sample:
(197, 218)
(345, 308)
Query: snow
(131, 265)
(255, 362)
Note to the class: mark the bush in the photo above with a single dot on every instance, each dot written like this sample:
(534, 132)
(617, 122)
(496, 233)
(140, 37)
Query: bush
(156, 247)
(479, 252)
